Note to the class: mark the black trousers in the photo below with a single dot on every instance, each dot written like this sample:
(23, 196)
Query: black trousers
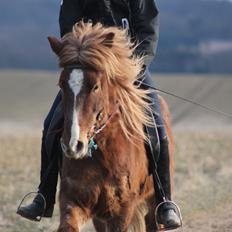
(157, 150)
(50, 162)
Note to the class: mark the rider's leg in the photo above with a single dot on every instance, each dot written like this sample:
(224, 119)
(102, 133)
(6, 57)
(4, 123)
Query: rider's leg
(48, 174)
(49, 162)
(166, 215)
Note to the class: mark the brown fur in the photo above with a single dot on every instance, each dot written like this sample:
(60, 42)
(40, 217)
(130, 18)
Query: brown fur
(113, 187)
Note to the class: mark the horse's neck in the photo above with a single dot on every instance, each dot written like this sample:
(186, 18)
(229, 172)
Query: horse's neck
(111, 139)
(118, 152)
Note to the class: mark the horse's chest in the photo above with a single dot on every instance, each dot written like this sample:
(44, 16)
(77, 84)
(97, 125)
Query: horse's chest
(114, 195)
(81, 193)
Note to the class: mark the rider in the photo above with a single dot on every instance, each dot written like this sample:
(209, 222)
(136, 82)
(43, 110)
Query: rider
(140, 17)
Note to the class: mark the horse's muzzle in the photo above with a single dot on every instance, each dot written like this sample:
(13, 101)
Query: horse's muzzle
(77, 152)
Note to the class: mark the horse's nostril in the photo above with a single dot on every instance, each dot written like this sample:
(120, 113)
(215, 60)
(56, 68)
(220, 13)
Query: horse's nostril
(80, 146)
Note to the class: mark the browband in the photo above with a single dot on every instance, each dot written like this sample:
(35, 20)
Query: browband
(79, 66)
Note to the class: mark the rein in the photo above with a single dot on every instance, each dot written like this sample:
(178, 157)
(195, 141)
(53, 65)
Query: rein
(206, 107)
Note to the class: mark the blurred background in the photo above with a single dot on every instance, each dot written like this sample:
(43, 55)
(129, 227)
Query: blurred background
(195, 35)
(194, 60)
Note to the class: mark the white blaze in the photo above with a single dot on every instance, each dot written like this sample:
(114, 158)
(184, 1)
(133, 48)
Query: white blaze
(75, 84)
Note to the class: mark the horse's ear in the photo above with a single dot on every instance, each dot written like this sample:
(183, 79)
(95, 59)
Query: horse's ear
(108, 40)
(56, 45)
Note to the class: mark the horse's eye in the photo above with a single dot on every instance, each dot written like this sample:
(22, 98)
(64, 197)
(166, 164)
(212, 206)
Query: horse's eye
(95, 88)
(99, 116)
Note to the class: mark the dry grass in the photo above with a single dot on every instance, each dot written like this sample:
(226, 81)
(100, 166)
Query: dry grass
(26, 97)
(203, 155)
(202, 180)
(19, 165)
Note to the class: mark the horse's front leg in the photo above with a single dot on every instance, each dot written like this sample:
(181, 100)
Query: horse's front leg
(122, 221)
(71, 218)
(99, 226)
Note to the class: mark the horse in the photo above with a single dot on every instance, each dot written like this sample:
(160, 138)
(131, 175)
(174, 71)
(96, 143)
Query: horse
(104, 174)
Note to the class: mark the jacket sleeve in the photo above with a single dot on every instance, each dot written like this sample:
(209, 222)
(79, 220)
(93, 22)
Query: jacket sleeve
(70, 13)
(145, 27)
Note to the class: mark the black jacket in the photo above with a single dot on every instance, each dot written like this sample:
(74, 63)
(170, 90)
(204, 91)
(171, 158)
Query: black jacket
(141, 14)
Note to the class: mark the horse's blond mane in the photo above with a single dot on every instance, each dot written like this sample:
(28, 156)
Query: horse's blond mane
(110, 49)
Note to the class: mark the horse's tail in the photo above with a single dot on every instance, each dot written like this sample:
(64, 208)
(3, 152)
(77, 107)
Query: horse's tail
(138, 221)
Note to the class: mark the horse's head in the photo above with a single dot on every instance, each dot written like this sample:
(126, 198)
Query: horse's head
(85, 98)
(98, 70)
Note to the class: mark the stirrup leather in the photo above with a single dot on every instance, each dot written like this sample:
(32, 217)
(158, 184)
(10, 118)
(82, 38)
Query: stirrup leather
(160, 227)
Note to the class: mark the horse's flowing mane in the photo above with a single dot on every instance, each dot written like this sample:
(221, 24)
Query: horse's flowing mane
(109, 49)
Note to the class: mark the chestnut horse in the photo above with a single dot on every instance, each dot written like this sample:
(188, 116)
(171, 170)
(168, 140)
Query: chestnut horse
(109, 183)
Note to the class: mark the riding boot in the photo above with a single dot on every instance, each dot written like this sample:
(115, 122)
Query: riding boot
(36, 209)
(167, 214)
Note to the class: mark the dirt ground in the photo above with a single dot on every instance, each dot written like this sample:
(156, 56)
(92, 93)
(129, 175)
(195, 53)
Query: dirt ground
(203, 157)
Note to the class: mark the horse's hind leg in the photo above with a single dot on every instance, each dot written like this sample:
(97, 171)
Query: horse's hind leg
(71, 218)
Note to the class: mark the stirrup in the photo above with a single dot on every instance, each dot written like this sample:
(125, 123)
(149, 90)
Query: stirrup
(160, 227)
(38, 218)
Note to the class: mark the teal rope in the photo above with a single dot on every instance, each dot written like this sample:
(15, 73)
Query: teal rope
(92, 147)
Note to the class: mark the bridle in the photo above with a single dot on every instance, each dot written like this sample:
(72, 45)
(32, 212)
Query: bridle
(96, 129)
(78, 66)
